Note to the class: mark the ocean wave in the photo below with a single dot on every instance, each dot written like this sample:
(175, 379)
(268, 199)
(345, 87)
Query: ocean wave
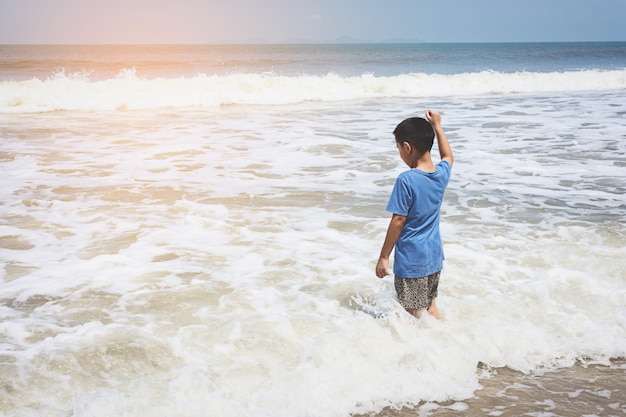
(127, 91)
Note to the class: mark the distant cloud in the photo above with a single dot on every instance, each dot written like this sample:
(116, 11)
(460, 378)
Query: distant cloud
(316, 17)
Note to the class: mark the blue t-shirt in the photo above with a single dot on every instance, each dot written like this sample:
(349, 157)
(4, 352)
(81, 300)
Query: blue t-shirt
(418, 196)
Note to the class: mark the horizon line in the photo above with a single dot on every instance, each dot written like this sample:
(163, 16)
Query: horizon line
(299, 42)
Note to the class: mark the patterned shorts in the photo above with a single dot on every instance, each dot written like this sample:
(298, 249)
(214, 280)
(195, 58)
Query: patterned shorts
(417, 293)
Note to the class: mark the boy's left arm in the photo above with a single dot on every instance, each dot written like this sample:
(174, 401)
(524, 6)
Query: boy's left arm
(393, 233)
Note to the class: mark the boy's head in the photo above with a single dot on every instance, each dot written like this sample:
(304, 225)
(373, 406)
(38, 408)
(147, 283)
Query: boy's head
(416, 131)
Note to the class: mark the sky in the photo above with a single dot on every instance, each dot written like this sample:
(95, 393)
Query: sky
(220, 21)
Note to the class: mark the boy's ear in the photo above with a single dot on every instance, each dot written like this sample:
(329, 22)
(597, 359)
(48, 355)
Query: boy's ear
(407, 146)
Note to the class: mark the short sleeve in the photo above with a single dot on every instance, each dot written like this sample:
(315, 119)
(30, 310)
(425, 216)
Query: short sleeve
(401, 197)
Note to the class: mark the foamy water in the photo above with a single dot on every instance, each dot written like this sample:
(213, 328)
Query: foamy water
(128, 91)
(197, 259)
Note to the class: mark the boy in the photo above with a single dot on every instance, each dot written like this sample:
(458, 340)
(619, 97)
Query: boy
(415, 203)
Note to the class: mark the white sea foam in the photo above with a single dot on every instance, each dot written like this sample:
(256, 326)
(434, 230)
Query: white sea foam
(185, 261)
(127, 91)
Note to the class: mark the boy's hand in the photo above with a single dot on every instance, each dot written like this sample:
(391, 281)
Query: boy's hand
(433, 117)
(382, 268)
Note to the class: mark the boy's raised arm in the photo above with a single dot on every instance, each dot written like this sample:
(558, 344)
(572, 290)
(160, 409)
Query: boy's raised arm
(445, 152)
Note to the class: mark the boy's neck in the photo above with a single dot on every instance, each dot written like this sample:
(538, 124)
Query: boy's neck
(425, 163)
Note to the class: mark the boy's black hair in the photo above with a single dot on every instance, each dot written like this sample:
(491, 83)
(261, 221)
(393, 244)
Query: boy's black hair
(418, 132)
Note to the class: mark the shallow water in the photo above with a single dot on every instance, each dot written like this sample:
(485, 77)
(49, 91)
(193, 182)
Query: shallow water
(193, 259)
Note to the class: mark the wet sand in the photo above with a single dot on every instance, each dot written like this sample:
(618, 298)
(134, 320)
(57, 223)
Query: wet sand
(592, 390)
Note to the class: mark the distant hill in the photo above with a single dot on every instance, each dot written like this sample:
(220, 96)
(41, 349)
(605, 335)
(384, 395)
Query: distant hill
(349, 39)
(339, 40)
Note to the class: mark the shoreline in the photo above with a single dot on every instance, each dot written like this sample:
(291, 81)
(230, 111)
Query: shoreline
(581, 389)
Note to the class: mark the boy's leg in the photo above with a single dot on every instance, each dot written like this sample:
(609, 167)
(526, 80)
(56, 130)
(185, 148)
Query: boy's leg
(432, 309)
(433, 287)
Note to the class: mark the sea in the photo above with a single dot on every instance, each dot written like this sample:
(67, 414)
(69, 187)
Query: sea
(192, 231)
